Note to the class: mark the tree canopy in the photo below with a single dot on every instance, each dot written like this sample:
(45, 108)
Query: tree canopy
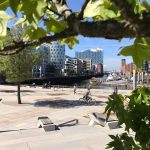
(49, 20)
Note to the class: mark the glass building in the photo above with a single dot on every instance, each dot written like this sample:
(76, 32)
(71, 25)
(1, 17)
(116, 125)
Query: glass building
(52, 53)
(96, 55)
(57, 54)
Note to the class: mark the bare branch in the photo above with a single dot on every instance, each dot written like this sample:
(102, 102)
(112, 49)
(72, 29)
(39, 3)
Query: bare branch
(82, 9)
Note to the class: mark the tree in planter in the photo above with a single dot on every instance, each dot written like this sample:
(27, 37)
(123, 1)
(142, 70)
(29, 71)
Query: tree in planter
(18, 67)
(134, 112)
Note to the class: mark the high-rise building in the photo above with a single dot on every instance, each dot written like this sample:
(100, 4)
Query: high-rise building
(52, 53)
(57, 54)
(96, 55)
(127, 68)
(123, 66)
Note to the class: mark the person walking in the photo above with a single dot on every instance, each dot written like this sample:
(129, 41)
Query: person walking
(75, 89)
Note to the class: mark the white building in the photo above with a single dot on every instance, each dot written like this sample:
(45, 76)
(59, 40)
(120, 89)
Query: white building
(57, 54)
(96, 55)
(52, 53)
(68, 66)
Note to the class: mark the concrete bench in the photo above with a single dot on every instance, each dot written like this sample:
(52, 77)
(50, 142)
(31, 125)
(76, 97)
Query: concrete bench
(46, 124)
(99, 118)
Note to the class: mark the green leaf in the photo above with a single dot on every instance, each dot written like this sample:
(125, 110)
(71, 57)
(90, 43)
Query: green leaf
(33, 34)
(139, 51)
(139, 99)
(4, 18)
(70, 41)
(14, 5)
(54, 25)
(20, 20)
(102, 10)
(92, 8)
(40, 6)
(137, 8)
(146, 5)
(4, 4)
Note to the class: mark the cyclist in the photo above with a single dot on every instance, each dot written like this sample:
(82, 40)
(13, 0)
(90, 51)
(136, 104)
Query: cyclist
(86, 96)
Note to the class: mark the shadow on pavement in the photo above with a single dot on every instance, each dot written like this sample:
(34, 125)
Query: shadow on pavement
(65, 103)
(15, 103)
(14, 91)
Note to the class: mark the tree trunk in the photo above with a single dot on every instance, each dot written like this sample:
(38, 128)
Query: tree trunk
(18, 93)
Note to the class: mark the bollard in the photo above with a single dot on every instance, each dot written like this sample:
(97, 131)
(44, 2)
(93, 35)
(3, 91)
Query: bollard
(134, 80)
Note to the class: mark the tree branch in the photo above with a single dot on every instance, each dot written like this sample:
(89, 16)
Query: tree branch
(106, 29)
(22, 44)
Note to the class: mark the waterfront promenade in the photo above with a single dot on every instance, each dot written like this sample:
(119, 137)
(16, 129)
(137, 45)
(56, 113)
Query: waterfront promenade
(18, 123)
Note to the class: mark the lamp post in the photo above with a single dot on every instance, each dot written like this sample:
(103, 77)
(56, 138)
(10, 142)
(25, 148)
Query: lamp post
(134, 79)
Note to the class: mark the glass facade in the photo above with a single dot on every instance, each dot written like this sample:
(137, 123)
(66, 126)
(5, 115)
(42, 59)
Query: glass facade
(96, 55)
(52, 53)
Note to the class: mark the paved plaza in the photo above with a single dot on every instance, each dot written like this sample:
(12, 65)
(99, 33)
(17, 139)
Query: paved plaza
(18, 123)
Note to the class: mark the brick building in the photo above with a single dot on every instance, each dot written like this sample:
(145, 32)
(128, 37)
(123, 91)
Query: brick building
(126, 68)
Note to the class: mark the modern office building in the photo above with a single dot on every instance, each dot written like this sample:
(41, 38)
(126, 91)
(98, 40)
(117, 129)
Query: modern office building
(57, 54)
(52, 54)
(96, 55)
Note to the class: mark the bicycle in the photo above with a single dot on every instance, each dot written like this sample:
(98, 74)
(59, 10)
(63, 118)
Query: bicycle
(87, 99)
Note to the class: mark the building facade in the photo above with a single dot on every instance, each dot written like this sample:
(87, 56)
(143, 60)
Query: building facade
(52, 54)
(96, 55)
(57, 54)
(146, 66)
(127, 68)
(68, 66)
(99, 68)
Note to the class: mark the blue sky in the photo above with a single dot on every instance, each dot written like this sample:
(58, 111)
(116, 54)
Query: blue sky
(110, 47)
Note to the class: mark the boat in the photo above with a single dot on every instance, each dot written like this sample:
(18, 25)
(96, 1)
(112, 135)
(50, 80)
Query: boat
(110, 78)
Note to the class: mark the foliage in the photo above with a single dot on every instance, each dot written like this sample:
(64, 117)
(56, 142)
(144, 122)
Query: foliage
(70, 41)
(140, 46)
(50, 68)
(19, 66)
(134, 112)
(102, 10)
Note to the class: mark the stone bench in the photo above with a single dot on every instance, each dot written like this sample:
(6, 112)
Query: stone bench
(46, 124)
(99, 118)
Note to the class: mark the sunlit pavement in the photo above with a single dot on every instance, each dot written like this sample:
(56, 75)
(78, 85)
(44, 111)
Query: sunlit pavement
(18, 123)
